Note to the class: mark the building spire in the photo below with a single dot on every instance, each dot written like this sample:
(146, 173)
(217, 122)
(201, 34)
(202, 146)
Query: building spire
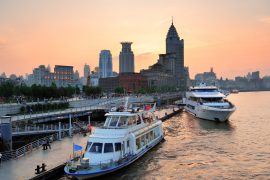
(172, 20)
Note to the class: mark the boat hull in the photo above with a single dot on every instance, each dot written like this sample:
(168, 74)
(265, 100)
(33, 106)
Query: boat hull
(213, 114)
(85, 175)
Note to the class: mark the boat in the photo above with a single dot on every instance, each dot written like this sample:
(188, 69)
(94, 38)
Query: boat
(207, 102)
(126, 135)
(235, 91)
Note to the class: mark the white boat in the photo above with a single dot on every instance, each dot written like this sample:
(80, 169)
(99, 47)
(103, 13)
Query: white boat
(125, 137)
(207, 102)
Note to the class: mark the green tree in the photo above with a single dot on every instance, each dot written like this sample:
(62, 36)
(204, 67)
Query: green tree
(119, 90)
(7, 89)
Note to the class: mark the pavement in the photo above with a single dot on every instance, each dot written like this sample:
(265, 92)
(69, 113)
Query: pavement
(24, 167)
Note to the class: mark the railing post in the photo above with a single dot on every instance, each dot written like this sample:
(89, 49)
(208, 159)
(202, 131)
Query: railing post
(70, 126)
(59, 131)
(16, 153)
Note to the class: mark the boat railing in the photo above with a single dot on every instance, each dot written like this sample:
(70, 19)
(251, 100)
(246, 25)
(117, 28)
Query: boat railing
(80, 163)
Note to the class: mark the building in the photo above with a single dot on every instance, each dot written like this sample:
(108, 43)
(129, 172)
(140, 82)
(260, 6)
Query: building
(131, 82)
(86, 73)
(94, 79)
(158, 75)
(169, 70)
(105, 64)
(209, 78)
(109, 84)
(255, 75)
(63, 76)
(126, 58)
(176, 45)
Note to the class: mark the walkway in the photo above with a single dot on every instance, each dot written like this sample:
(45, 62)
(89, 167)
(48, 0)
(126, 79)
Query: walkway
(60, 114)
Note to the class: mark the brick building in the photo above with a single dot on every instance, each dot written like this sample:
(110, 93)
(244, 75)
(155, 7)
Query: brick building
(129, 81)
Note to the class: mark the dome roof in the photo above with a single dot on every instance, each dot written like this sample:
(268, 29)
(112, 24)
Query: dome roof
(172, 32)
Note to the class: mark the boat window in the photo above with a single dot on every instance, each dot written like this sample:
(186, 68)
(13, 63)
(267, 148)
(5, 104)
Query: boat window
(205, 90)
(138, 120)
(122, 121)
(211, 99)
(107, 121)
(147, 137)
(143, 140)
(130, 120)
(156, 132)
(138, 143)
(151, 135)
(114, 121)
(108, 147)
(88, 146)
(96, 148)
(135, 119)
(117, 146)
(128, 143)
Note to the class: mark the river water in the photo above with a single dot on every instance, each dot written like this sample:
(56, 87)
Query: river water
(200, 149)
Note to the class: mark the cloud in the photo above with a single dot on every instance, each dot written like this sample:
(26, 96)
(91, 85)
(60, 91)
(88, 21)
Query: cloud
(264, 19)
(145, 55)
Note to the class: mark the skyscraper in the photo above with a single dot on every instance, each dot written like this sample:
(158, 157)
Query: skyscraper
(86, 71)
(126, 58)
(105, 64)
(176, 45)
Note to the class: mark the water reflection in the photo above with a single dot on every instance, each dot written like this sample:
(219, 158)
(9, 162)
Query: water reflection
(201, 149)
(212, 125)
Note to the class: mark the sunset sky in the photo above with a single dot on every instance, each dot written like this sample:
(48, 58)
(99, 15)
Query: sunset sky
(232, 36)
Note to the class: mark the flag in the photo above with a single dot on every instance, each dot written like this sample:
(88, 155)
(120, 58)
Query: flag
(77, 147)
(147, 107)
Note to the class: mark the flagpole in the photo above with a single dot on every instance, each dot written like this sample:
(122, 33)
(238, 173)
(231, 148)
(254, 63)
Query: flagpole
(73, 150)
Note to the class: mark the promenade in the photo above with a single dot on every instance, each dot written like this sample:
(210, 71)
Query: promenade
(24, 167)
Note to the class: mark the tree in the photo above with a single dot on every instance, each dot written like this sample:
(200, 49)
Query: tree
(119, 90)
(92, 91)
(7, 89)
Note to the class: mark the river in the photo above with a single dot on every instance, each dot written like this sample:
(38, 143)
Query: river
(200, 149)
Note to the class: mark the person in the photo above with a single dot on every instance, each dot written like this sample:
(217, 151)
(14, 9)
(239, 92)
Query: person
(0, 159)
(48, 143)
(89, 127)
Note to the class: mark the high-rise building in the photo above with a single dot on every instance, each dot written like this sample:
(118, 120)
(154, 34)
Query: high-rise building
(86, 73)
(176, 45)
(126, 58)
(105, 64)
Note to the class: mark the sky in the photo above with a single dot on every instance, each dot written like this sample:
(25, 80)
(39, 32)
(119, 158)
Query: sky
(232, 36)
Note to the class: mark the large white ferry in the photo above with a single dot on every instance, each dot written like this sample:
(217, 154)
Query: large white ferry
(125, 137)
(207, 102)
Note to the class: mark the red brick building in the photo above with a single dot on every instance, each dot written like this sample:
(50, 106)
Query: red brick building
(129, 81)
(132, 81)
